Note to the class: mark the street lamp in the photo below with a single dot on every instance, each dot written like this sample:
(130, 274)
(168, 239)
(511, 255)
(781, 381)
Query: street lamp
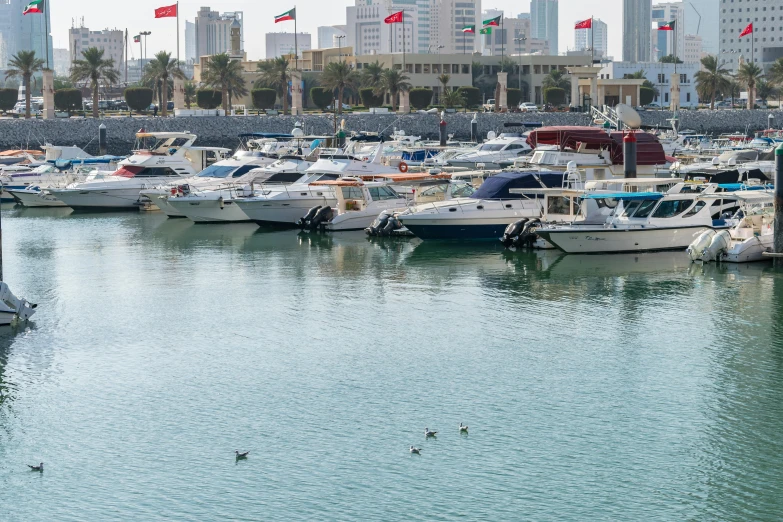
(340, 47)
(145, 34)
(519, 52)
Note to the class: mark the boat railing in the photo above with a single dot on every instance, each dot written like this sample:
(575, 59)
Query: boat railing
(480, 204)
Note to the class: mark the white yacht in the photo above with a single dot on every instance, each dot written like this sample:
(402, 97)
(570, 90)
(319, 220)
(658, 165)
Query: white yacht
(507, 146)
(641, 221)
(218, 205)
(748, 239)
(171, 157)
(358, 203)
(36, 194)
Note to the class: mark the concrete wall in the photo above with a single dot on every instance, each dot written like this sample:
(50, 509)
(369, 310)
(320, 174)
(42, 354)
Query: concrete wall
(223, 131)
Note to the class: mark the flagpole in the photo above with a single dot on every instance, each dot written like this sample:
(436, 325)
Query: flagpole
(126, 56)
(46, 32)
(403, 42)
(178, 33)
(592, 41)
(296, 42)
(502, 42)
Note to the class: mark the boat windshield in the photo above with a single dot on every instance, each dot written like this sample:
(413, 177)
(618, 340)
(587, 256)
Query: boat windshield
(168, 145)
(315, 177)
(491, 147)
(225, 171)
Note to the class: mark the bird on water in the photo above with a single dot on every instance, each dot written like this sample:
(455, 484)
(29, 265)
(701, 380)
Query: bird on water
(463, 429)
(416, 451)
(428, 433)
(241, 455)
(39, 467)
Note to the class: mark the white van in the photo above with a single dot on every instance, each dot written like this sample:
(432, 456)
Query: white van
(36, 107)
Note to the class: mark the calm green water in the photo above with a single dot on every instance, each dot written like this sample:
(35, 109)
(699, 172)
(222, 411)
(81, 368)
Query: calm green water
(596, 388)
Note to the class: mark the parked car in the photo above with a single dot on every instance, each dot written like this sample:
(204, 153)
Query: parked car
(345, 106)
(489, 105)
(654, 105)
(528, 107)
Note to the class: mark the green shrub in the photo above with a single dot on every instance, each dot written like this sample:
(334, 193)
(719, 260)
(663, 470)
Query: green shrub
(369, 99)
(646, 95)
(263, 98)
(321, 97)
(68, 99)
(8, 99)
(513, 97)
(555, 95)
(472, 96)
(209, 98)
(138, 98)
(421, 98)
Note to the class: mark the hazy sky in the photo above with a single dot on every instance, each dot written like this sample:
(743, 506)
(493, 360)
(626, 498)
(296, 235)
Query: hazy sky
(259, 19)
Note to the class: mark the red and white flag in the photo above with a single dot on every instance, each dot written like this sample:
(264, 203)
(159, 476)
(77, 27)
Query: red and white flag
(747, 30)
(166, 12)
(394, 18)
(584, 24)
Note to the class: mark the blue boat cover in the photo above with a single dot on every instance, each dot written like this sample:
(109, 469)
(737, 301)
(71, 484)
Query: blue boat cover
(97, 160)
(625, 195)
(739, 186)
(498, 186)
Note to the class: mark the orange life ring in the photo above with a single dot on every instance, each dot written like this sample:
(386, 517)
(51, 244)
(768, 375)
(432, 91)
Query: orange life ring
(403, 167)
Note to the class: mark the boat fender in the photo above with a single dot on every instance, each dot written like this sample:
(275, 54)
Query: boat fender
(403, 167)
(696, 249)
(220, 202)
(309, 216)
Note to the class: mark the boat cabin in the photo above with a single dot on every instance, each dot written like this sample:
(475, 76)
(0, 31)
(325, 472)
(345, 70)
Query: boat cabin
(353, 194)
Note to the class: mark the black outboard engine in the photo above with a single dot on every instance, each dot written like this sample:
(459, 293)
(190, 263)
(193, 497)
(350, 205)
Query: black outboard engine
(512, 232)
(528, 236)
(391, 225)
(308, 217)
(378, 225)
(322, 215)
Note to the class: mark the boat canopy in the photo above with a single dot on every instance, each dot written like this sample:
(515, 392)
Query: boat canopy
(752, 196)
(530, 124)
(268, 135)
(499, 185)
(628, 196)
(19, 152)
(100, 160)
(649, 149)
(740, 186)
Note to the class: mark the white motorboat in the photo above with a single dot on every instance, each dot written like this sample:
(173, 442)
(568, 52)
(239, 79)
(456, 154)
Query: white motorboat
(13, 309)
(14, 157)
(641, 221)
(37, 194)
(358, 203)
(748, 239)
(218, 205)
(507, 146)
(171, 157)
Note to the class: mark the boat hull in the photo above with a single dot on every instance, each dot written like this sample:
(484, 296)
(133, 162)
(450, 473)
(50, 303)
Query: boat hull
(109, 198)
(281, 212)
(618, 240)
(33, 199)
(750, 250)
(202, 210)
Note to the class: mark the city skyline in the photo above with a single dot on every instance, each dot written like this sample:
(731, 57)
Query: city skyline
(311, 15)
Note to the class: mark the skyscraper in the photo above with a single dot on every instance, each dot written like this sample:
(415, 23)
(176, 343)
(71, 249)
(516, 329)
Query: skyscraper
(453, 16)
(583, 38)
(663, 42)
(702, 18)
(368, 34)
(24, 33)
(190, 42)
(766, 48)
(213, 31)
(543, 22)
(637, 20)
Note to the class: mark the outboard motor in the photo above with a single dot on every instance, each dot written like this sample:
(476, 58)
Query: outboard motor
(391, 225)
(696, 249)
(302, 222)
(512, 232)
(528, 235)
(718, 246)
(322, 215)
(378, 225)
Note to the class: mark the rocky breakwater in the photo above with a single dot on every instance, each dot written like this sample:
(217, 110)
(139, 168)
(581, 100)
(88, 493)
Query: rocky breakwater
(223, 131)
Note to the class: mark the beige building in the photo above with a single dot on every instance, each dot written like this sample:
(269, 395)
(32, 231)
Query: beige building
(110, 41)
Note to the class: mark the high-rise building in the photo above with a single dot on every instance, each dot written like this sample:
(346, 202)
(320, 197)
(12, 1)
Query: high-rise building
(368, 34)
(663, 42)
(513, 38)
(702, 18)
(62, 62)
(280, 44)
(327, 35)
(190, 42)
(692, 49)
(767, 36)
(597, 37)
(24, 33)
(213, 31)
(637, 20)
(543, 22)
(110, 41)
(453, 17)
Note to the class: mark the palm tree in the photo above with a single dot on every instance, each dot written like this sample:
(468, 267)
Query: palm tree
(775, 73)
(453, 99)
(443, 79)
(94, 70)
(339, 75)
(748, 75)
(711, 79)
(161, 69)
(371, 74)
(190, 94)
(556, 78)
(24, 64)
(276, 74)
(765, 90)
(221, 71)
(393, 82)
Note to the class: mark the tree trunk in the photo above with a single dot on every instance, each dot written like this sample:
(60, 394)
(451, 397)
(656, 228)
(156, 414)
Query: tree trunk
(340, 101)
(224, 96)
(285, 100)
(164, 104)
(712, 100)
(750, 97)
(95, 100)
(26, 79)
(394, 95)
